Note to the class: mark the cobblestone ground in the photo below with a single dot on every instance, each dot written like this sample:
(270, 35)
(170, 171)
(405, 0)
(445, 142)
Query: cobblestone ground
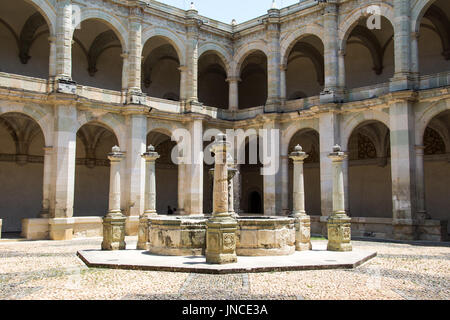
(51, 270)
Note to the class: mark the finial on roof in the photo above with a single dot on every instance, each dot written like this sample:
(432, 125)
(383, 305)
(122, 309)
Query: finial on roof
(274, 4)
(192, 6)
(233, 22)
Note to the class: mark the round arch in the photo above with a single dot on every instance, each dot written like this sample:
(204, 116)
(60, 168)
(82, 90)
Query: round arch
(220, 51)
(119, 28)
(355, 120)
(168, 35)
(48, 12)
(350, 21)
(39, 114)
(107, 121)
(417, 13)
(428, 114)
(289, 42)
(292, 130)
(243, 53)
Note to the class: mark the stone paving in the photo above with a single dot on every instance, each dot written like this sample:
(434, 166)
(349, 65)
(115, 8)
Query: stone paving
(51, 270)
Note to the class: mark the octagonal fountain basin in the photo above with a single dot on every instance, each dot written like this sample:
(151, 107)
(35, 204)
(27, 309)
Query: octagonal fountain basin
(177, 236)
(265, 236)
(256, 236)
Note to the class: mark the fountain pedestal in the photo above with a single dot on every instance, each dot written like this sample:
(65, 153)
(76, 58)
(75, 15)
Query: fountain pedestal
(221, 227)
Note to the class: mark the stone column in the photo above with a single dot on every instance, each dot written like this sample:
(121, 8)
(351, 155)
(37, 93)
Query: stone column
(149, 197)
(273, 60)
(330, 23)
(283, 90)
(192, 35)
(233, 101)
(329, 136)
(221, 227)
(135, 50)
(63, 172)
(342, 79)
(135, 165)
(420, 185)
(134, 60)
(64, 31)
(272, 177)
(302, 220)
(284, 183)
(402, 79)
(403, 166)
(415, 64)
(339, 224)
(193, 203)
(114, 221)
(46, 189)
(181, 185)
(52, 58)
(183, 83)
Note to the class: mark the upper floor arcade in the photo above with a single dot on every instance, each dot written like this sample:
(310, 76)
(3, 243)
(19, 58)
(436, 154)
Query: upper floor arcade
(148, 53)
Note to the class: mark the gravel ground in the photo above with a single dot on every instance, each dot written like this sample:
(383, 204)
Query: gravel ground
(51, 270)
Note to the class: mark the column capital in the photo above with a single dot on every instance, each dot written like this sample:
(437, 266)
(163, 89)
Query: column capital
(337, 155)
(151, 155)
(183, 68)
(298, 155)
(116, 155)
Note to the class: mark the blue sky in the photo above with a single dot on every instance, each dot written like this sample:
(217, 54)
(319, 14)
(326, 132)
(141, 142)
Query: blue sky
(226, 10)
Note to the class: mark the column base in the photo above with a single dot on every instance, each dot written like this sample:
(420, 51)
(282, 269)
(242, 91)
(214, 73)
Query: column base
(403, 81)
(61, 228)
(302, 233)
(339, 233)
(221, 240)
(114, 233)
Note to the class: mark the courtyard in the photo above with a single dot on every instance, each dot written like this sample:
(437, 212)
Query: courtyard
(51, 270)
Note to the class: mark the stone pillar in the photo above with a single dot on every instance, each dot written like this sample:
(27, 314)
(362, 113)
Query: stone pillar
(403, 166)
(52, 58)
(193, 202)
(420, 184)
(64, 32)
(415, 63)
(181, 185)
(284, 184)
(329, 136)
(330, 23)
(135, 50)
(149, 197)
(221, 227)
(183, 83)
(273, 60)
(192, 35)
(283, 90)
(341, 80)
(272, 179)
(339, 224)
(135, 165)
(302, 220)
(63, 172)
(402, 79)
(46, 189)
(114, 221)
(233, 101)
